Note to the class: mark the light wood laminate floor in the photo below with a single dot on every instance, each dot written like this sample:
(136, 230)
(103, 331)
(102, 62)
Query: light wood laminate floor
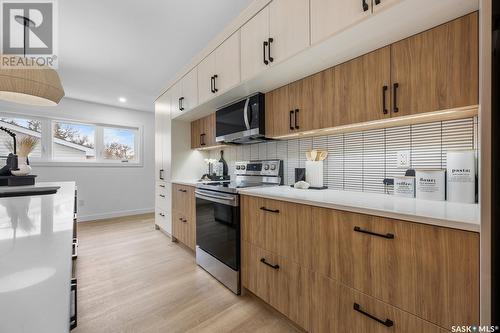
(132, 278)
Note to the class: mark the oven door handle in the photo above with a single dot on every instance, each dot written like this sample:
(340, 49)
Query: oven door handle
(226, 200)
(245, 114)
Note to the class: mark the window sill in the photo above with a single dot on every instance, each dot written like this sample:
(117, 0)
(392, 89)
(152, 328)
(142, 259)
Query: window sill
(86, 164)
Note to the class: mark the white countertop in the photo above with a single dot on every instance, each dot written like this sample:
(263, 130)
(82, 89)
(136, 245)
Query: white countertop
(439, 213)
(36, 235)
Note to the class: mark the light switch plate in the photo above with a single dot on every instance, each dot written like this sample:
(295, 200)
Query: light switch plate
(403, 159)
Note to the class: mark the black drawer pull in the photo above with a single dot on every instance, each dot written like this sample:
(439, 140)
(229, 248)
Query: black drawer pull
(291, 120)
(263, 260)
(212, 84)
(395, 96)
(270, 210)
(215, 83)
(182, 190)
(388, 236)
(365, 5)
(296, 118)
(161, 195)
(384, 91)
(182, 220)
(161, 214)
(73, 319)
(181, 104)
(387, 322)
(271, 59)
(162, 186)
(377, 2)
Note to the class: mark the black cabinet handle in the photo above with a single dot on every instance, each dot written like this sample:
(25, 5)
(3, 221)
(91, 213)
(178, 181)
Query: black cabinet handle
(161, 174)
(73, 323)
(161, 214)
(202, 139)
(395, 96)
(388, 236)
(365, 5)
(291, 116)
(215, 83)
(270, 210)
(212, 84)
(296, 118)
(271, 59)
(384, 91)
(264, 45)
(181, 106)
(162, 195)
(377, 2)
(162, 186)
(263, 260)
(387, 322)
(182, 190)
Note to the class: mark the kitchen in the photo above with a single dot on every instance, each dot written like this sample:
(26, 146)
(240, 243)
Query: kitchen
(319, 166)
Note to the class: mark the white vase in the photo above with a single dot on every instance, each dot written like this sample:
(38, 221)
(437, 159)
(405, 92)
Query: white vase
(23, 168)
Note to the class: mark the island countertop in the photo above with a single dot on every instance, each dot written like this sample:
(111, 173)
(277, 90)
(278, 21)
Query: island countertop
(36, 235)
(438, 213)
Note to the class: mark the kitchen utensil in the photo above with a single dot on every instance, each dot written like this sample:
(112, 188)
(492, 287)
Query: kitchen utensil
(314, 154)
(322, 155)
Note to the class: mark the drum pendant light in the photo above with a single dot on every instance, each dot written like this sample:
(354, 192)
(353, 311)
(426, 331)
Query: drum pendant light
(29, 83)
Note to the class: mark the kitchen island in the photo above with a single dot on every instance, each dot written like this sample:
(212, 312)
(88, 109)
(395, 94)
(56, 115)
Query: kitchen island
(36, 234)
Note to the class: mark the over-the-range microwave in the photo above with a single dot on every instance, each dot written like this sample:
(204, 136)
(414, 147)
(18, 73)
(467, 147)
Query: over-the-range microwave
(242, 122)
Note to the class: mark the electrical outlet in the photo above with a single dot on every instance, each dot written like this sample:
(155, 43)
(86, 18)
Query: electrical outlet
(403, 159)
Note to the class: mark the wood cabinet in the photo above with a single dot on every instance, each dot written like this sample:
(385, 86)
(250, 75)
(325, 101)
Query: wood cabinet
(220, 70)
(436, 69)
(331, 16)
(184, 215)
(203, 132)
(269, 37)
(430, 272)
(361, 88)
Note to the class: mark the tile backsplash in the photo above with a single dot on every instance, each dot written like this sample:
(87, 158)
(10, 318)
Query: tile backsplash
(360, 161)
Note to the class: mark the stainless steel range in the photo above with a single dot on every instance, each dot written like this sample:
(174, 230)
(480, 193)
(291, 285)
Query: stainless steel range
(218, 218)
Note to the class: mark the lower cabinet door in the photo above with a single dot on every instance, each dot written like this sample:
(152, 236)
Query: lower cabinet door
(184, 229)
(337, 308)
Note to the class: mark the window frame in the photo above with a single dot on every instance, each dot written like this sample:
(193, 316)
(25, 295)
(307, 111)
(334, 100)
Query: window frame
(47, 142)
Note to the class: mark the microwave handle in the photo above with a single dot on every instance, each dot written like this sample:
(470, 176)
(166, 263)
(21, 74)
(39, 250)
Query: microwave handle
(245, 113)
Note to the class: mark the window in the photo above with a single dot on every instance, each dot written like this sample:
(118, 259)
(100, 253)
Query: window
(21, 127)
(119, 144)
(73, 142)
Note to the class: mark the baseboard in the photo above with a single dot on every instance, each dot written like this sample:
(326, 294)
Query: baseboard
(103, 216)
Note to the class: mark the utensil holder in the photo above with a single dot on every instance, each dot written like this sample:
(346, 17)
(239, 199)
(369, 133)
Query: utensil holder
(314, 173)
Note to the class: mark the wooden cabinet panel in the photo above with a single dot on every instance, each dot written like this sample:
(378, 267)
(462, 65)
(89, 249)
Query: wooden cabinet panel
(253, 35)
(301, 101)
(437, 69)
(189, 90)
(429, 271)
(206, 70)
(278, 121)
(227, 63)
(184, 214)
(203, 132)
(195, 134)
(359, 85)
(331, 16)
(209, 130)
(288, 27)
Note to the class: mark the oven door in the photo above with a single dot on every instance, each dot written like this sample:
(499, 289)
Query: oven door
(218, 226)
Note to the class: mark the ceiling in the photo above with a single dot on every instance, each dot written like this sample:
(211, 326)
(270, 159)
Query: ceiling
(128, 48)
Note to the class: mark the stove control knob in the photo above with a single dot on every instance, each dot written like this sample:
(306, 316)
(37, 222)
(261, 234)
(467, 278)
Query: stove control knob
(243, 167)
(273, 167)
(237, 167)
(266, 167)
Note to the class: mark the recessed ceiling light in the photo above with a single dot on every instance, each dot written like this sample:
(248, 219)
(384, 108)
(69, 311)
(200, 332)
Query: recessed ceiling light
(122, 99)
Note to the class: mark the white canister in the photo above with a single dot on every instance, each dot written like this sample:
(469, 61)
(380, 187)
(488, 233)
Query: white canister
(461, 176)
(430, 184)
(314, 173)
(404, 187)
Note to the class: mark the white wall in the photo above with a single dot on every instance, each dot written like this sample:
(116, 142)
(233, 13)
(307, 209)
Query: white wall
(103, 191)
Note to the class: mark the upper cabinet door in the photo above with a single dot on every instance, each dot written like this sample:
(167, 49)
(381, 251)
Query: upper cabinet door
(189, 98)
(253, 51)
(206, 72)
(176, 94)
(330, 16)
(227, 63)
(288, 28)
(361, 87)
(436, 69)
(279, 115)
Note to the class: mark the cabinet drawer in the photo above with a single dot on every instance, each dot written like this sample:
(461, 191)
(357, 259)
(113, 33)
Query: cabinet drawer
(432, 272)
(278, 227)
(161, 218)
(162, 197)
(184, 229)
(337, 308)
(278, 281)
(183, 199)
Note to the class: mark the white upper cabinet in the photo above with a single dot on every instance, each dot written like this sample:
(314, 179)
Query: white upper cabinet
(189, 98)
(288, 28)
(253, 50)
(227, 64)
(331, 16)
(206, 72)
(277, 32)
(162, 140)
